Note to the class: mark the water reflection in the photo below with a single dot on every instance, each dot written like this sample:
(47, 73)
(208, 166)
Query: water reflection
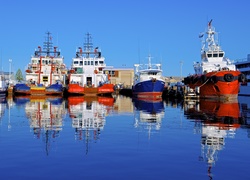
(245, 112)
(88, 116)
(45, 115)
(148, 115)
(215, 121)
(3, 105)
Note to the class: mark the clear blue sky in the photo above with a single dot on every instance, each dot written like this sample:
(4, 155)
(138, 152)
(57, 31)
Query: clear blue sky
(125, 30)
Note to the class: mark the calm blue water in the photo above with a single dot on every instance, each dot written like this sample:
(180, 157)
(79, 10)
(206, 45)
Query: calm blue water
(121, 138)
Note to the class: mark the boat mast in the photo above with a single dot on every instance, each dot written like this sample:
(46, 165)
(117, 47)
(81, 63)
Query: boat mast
(88, 45)
(47, 45)
(149, 61)
(210, 44)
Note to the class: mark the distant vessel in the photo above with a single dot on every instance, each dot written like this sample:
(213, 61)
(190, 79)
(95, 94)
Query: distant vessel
(215, 76)
(243, 66)
(87, 75)
(3, 86)
(3, 106)
(148, 81)
(45, 74)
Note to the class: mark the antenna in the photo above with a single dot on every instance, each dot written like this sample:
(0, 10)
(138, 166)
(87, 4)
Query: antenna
(181, 63)
(139, 50)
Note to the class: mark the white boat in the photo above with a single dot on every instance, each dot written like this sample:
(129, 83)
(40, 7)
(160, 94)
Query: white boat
(148, 81)
(3, 86)
(88, 75)
(46, 72)
(243, 65)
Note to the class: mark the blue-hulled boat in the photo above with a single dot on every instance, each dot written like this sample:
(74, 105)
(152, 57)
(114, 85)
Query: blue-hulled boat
(46, 73)
(148, 81)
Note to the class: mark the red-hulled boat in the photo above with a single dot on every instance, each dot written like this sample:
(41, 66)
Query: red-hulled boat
(87, 75)
(215, 76)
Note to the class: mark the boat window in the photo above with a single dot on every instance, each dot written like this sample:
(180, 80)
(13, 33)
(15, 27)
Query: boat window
(100, 62)
(75, 62)
(85, 62)
(96, 63)
(92, 62)
(152, 73)
(45, 78)
(89, 106)
(111, 73)
(215, 55)
(88, 62)
(221, 54)
(81, 63)
(43, 61)
(209, 55)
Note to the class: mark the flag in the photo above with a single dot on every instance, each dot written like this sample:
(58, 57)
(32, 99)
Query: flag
(210, 22)
(201, 35)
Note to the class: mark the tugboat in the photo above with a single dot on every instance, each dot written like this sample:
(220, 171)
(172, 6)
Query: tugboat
(215, 76)
(148, 81)
(45, 74)
(87, 75)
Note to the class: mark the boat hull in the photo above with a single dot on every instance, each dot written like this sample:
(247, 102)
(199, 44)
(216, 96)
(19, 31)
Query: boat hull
(76, 89)
(23, 89)
(148, 89)
(244, 90)
(215, 85)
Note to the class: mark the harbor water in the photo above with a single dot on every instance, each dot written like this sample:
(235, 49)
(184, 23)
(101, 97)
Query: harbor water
(123, 138)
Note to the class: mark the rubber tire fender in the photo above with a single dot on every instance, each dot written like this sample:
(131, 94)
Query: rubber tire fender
(241, 78)
(228, 77)
(214, 79)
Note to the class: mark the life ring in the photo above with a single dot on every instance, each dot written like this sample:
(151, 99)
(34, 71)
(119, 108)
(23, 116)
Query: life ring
(28, 71)
(242, 78)
(95, 71)
(72, 71)
(228, 77)
(108, 76)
